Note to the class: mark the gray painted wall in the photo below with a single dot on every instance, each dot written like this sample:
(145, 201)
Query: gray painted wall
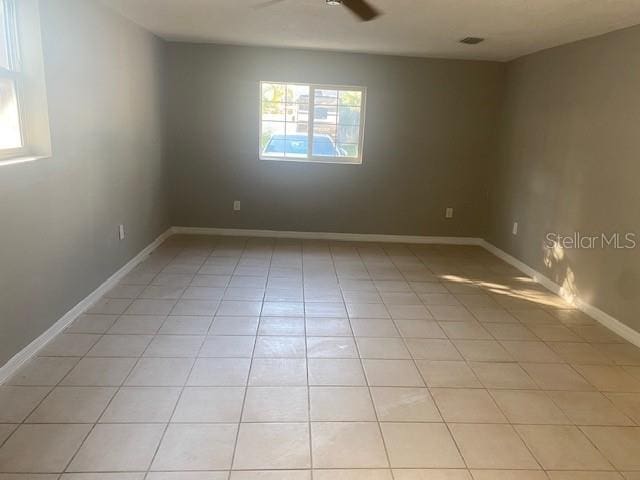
(569, 163)
(563, 124)
(429, 136)
(59, 215)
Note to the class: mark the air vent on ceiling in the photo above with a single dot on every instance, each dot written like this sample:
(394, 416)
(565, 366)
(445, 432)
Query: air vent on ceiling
(472, 40)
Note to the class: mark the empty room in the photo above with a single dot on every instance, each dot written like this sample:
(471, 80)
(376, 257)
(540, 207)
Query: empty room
(319, 240)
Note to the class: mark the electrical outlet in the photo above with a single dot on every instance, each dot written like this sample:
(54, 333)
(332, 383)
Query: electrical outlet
(236, 206)
(448, 213)
(514, 230)
(121, 232)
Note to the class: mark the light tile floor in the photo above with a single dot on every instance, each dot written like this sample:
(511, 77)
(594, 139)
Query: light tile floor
(246, 359)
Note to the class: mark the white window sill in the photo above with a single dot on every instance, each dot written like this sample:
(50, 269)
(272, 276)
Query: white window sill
(21, 159)
(327, 160)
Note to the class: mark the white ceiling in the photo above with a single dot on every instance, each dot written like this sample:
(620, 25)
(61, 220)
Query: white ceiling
(429, 28)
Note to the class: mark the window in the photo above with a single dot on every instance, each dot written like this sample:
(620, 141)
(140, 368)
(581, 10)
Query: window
(11, 133)
(311, 123)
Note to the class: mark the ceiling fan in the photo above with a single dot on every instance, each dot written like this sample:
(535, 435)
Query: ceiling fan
(361, 8)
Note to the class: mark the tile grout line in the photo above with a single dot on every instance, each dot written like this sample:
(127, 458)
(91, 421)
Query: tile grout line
(306, 356)
(123, 385)
(373, 405)
(142, 355)
(248, 379)
(437, 407)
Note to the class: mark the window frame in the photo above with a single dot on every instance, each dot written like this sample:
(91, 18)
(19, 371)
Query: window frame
(311, 123)
(14, 74)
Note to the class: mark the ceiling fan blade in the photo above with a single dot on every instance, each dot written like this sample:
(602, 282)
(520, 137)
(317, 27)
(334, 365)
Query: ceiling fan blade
(362, 9)
(268, 3)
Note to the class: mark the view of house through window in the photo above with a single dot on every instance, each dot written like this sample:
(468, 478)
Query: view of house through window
(11, 139)
(317, 123)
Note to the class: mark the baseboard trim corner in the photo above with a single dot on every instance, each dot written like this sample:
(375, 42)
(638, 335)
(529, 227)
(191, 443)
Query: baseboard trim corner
(345, 237)
(15, 362)
(600, 316)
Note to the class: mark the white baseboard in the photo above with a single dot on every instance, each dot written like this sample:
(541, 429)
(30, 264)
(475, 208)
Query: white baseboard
(603, 318)
(32, 349)
(347, 237)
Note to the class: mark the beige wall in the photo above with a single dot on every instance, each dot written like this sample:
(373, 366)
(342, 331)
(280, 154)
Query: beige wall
(569, 160)
(59, 215)
(429, 136)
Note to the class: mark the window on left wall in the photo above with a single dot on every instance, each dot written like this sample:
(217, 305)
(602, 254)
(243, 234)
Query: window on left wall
(12, 141)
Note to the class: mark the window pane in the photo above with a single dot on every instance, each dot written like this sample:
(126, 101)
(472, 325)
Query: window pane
(348, 134)
(10, 136)
(273, 92)
(326, 97)
(272, 132)
(297, 140)
(330, 130)
(323, 146)
(349, 98)
(298, 94)
(325, 114)
(273, 111)
(291, 144)
(348, 149)
(349, 115)
(297, 146)
(297, 112)
(324, 141)
(297, 128)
